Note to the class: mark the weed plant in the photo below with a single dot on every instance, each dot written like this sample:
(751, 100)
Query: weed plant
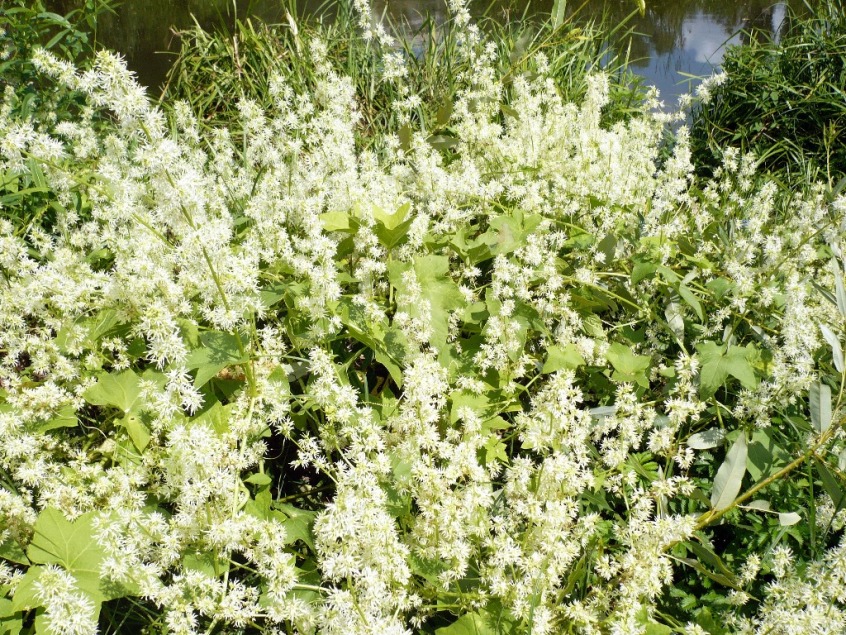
(784, 99)
(293, 374)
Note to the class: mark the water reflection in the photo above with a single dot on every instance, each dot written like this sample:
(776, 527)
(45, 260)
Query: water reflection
(673, 37)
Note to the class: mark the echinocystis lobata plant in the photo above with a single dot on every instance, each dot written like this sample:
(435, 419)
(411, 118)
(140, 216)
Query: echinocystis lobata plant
(259, 378)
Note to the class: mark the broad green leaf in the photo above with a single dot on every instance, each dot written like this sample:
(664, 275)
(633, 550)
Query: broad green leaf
(217, 417)
(11, 550)
(718, 363)
(65, 418)
(205, 562)
(468, 624)
(120, 391)
(73, 546)
(819, 398)
(218, 351)
(392, 220)
(259, 479)
(765, 456)
(559, 10)
(561, 357)
(729, 477)
(707, 439)
(479, 404)
(432, 273)
(26, 593)
(495, 450)
(11, 621)
(338, 221)
(137, 429)
(642, 271)
(298, 525)
(836, 348)
(628, 366)
(390, 229)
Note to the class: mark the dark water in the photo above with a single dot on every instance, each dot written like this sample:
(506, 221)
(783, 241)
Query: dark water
(673, 39)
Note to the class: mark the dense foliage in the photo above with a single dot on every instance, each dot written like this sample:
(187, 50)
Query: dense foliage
(784, 100)
(275, 375)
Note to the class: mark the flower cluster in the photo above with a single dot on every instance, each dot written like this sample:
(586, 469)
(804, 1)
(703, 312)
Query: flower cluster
(260, 376)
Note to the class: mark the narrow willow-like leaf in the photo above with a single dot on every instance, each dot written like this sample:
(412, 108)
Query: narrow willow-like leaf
(839, 287)
(819, 398)
(788, 519)
(729, 477)
(836, 348)
(559, 7)
(707, 439)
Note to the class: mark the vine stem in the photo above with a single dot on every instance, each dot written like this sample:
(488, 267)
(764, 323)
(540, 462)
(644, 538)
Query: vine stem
(713, 515)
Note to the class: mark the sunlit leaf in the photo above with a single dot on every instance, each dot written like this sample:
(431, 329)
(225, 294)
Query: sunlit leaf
(819, 400)
(718, 363)
(120, 391)
(788, 519)
(729, 477)
(836, 348)
(707, 439)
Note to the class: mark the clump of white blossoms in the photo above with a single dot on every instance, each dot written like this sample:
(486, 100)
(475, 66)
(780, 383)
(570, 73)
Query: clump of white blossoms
(263, 378)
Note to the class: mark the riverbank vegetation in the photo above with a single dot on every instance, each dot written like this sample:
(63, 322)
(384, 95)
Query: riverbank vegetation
(339, 337)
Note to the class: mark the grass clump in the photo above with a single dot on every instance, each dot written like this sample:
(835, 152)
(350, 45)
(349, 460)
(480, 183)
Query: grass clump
(211, 67)
(783, 99)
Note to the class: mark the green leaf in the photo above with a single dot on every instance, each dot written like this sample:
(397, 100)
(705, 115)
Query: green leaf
(628, 366)
(26, 593)
(390, 229)
(137, 429)
(707, 439)
(559, 9)
(259, 479)
(718, 363)
(836, 349)
(65, 418)
(831, 485)
(689, 297)
(839, 288)
(73, 546)
(432, 273)
(561, 357)
(338, 221)
(205, 562)
(219, 351)
(120, 391)
(788, 518)
(479, 404)
(11, 621)
(729, 477)
(468, 624)
(765, 456)
(298, 525)
(642, 271)
(819, 398)
(11, 550)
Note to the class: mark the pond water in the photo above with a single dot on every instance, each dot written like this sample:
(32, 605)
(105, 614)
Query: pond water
(673, 39)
